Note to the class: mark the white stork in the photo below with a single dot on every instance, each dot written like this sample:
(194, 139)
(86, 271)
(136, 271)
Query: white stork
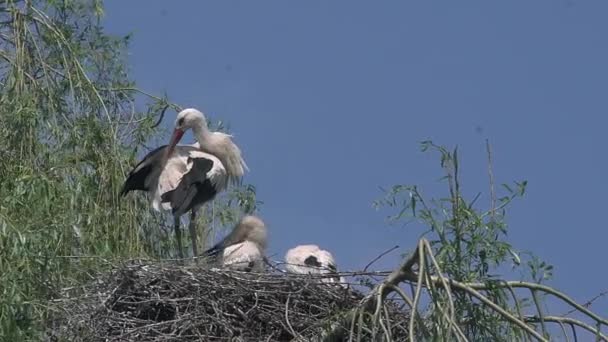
(310, 259)
(242, 249)
(183, 178)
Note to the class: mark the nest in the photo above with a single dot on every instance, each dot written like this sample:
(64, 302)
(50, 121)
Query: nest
(153, 302)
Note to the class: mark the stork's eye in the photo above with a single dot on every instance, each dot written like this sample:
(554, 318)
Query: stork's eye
(180, 122)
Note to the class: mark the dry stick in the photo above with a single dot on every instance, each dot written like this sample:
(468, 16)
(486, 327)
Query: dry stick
(571, 321)
(293, 332)
(379, 256)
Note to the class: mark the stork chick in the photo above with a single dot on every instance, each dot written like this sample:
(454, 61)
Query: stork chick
(310, 259)
(243, 249)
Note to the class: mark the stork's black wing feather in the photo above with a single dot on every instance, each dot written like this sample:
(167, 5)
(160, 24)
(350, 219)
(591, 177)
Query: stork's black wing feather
(137, 177)
(312, 261)
(194, 187)
(213, 251)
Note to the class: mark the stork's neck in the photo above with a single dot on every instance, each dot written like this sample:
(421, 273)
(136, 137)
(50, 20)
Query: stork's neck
(210, 143)
(221, 146)
(201, 134)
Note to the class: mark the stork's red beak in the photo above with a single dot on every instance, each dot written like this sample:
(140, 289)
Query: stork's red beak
(177, 136)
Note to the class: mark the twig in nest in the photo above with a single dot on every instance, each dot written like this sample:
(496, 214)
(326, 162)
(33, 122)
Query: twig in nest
(150, 302)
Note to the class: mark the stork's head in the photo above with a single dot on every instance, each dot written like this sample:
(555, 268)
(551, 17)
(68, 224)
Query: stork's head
(251, 228)
(188, 118)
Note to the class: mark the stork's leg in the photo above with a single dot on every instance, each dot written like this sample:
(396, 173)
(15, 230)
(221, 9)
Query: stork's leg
(178, 237)
(193, 236)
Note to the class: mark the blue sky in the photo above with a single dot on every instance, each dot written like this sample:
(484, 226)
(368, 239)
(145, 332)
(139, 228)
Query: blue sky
(329, 101)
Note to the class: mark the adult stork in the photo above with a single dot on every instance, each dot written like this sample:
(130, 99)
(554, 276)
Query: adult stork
(242, 249)
(183, 178)
(310, 259)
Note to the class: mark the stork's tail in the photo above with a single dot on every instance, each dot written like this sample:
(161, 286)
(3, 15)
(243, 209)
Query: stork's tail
(167, 197)
(132, 183)
(124, 190)
(126, 187)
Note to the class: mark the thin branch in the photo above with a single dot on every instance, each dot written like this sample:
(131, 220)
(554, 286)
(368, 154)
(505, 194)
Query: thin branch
(162, 115)
(568, 320)
(562, 296)
(589, 302)
(405, 273)
(379, 257)
(517, 306)
(414, 312)
(566, 337)
(539, 309)
(495, 307)
(175, 106)
(491, 175)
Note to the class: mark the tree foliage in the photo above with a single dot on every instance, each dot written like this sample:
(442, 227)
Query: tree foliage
(457, 268)
(72, 123)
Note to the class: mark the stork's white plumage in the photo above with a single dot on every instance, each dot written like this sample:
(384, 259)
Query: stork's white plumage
(242, 249)
(245, 256)
(180, 163)
(183, 178)
(310, 259)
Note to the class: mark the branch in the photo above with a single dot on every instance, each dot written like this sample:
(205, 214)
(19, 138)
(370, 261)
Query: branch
(534, 286)
(589, 302)
(470, 290)
(372, 303)
(568, 320)
(379, 257)
(162, 115)
(368, 303)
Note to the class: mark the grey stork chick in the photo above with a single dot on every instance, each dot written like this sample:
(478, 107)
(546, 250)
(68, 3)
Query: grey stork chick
(243, 249)
(310, 259)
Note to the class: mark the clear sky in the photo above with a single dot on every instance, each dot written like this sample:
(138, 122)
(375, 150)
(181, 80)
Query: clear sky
(330, 99)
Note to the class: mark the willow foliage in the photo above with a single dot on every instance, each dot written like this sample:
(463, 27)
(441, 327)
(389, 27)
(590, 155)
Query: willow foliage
(70, 129)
